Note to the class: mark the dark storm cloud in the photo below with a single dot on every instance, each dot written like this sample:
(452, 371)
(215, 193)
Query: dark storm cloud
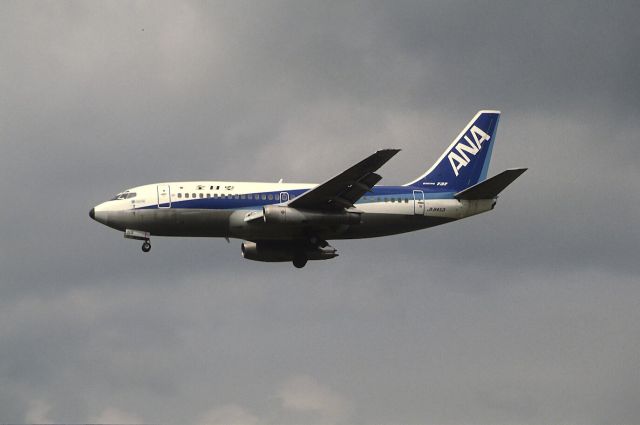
(524, 315)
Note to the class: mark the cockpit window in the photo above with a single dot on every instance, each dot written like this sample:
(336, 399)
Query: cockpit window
(124, 195)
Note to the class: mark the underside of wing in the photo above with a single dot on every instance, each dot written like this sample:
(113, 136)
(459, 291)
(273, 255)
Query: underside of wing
(342, 191)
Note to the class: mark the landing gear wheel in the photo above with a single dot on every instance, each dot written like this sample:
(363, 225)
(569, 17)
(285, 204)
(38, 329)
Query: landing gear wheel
(299, 262)
(146, 246)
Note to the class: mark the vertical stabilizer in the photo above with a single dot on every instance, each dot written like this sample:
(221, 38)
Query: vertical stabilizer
(466, 160)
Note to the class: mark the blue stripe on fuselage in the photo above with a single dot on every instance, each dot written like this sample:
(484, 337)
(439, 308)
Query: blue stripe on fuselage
(236, 202)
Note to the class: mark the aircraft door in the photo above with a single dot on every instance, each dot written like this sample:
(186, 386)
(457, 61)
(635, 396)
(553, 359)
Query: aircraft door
(164, 196)
(284, 197)
(418, 202)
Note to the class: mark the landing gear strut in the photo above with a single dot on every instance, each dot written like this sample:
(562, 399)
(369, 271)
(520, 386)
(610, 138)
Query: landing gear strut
(146, 246)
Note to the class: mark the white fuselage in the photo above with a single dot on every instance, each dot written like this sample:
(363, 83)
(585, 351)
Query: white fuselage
(219, 209)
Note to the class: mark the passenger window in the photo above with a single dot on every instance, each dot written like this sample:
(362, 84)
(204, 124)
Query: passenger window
(217, 187)
(208, 195)
(193, 195)
(264, 197)
(211, 187)
(179, 195)
(237, 196)
(250, 196)
(186, 195)
(201, 196)
(270, 197)
(243, 196)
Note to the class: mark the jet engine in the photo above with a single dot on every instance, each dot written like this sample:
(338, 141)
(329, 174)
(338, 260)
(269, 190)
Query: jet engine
(274, 251)
(278, 214)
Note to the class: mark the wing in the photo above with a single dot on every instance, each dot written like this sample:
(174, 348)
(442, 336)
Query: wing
(346, 188)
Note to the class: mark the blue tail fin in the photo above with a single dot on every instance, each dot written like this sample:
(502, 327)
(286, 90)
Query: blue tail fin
(466, 160)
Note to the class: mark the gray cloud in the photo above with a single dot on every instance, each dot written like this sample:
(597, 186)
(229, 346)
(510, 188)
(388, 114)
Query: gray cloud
(525, 315)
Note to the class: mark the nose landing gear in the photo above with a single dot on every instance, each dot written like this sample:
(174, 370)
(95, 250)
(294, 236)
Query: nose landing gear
(141, 236)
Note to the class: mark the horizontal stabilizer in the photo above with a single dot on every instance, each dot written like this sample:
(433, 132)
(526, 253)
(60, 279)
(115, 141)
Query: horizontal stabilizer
(491, 187)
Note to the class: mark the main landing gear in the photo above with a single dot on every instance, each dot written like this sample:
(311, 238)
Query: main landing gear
(314, 249)
(146, 246)
(300, 260)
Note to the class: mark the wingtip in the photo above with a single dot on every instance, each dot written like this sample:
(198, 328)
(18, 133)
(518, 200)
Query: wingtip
(392, 151)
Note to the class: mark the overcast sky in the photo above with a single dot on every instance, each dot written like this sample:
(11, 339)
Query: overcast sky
(527, 315)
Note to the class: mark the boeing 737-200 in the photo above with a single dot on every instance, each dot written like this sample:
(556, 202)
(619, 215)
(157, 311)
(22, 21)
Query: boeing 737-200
(293, 221)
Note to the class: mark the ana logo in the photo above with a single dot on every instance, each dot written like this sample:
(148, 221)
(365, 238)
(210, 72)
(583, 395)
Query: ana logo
(460, 159)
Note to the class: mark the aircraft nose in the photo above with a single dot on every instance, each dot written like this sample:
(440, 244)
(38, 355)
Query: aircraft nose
(92, 213)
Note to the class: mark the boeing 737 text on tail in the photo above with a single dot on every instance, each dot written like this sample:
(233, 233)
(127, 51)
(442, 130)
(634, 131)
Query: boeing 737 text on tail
(293, 221)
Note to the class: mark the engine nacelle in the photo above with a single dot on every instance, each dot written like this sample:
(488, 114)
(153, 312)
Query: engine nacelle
(278, 214)
(274, 251)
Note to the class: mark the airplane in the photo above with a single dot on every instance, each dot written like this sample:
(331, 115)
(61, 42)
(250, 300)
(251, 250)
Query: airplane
(282, 222)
